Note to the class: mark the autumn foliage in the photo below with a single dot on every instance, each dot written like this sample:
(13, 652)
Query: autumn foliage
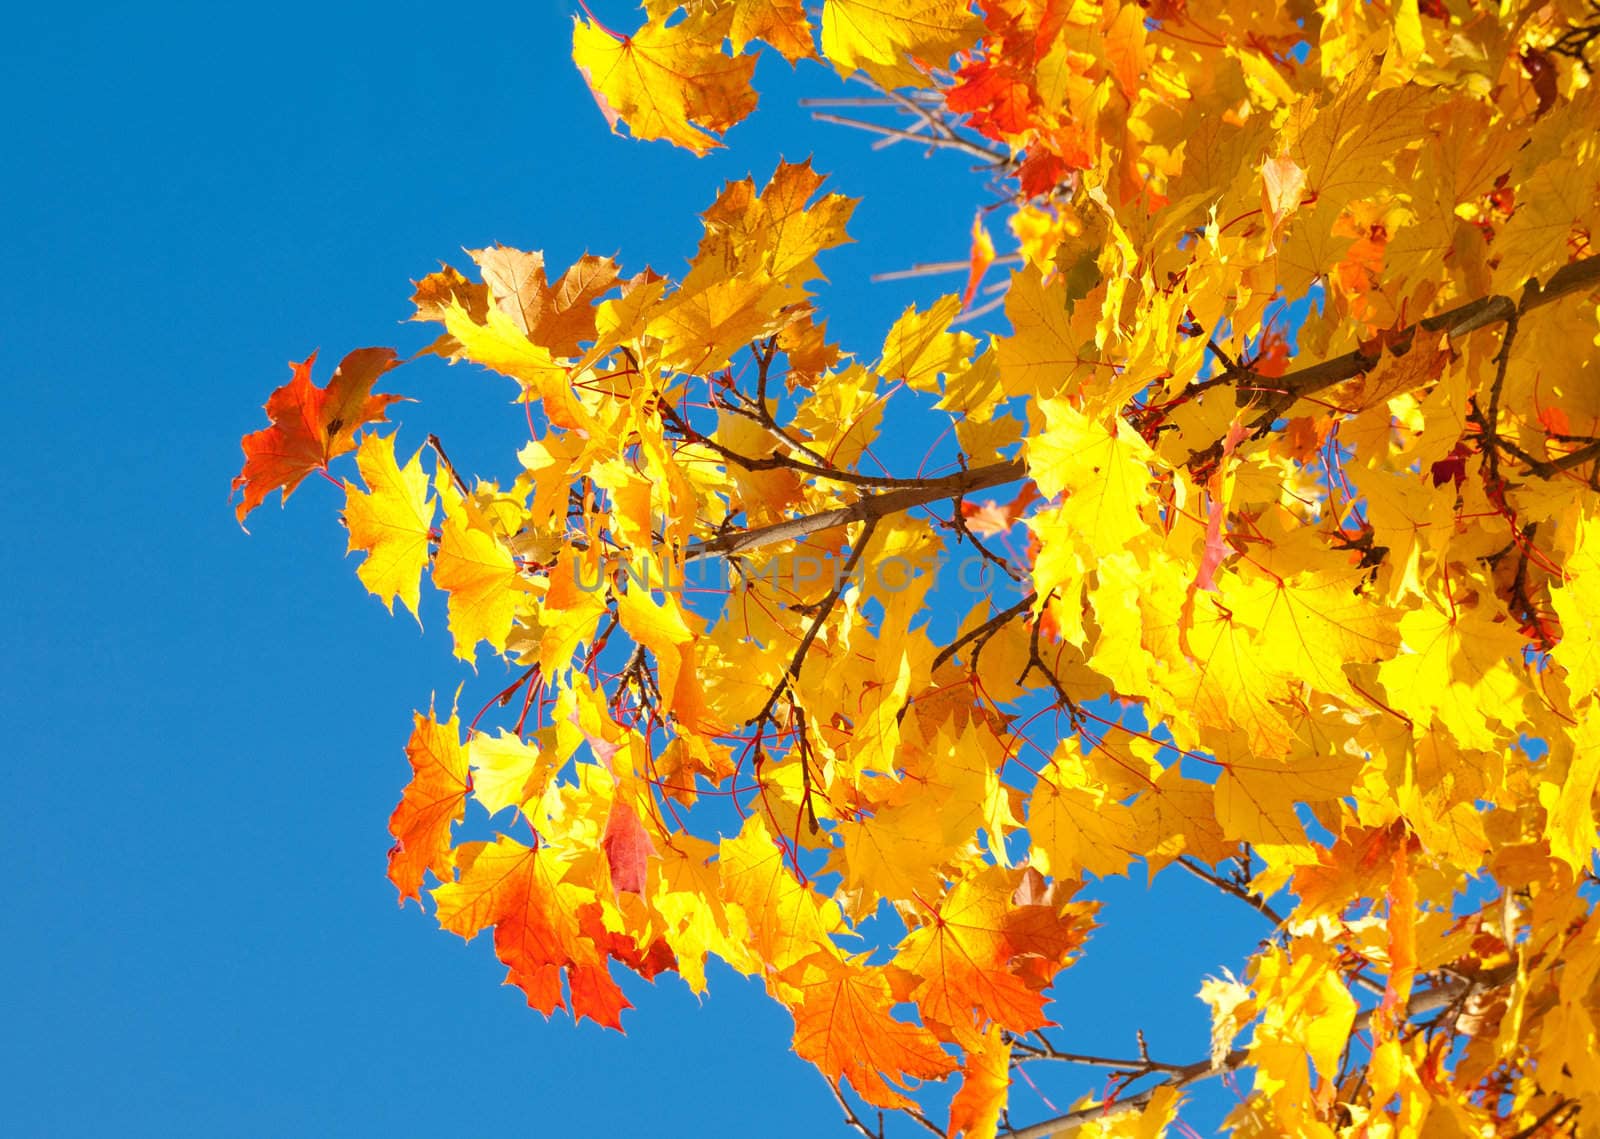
(1282, 468)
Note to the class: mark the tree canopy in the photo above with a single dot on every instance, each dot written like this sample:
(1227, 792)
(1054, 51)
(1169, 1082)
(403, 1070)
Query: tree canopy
(1269, 514)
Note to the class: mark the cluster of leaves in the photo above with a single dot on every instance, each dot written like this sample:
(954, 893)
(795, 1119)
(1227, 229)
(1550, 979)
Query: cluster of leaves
(1326, 630)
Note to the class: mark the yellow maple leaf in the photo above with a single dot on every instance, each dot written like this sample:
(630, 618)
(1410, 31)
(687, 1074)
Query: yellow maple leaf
(1256, 797)
(670, 83)
(507, 772)
(390, 522)
(776, 233)
(1075, 826)
(1103, 474)
(784, 921)
(920, 347)
(1051, 350)
(881, 38)
(474, 567)
(1569, 805)
(1577, 603)
(1455, 665)
(496, 342)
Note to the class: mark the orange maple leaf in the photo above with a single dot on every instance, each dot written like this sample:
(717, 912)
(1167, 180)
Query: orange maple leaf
(982, 257)
(844, 1025)
(542, 926)
(435, 797)
(311, 425)
(976, 1108)
(981, 960)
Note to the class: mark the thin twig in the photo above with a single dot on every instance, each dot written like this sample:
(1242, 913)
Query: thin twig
(1420, 1004)
(912, 494)
(982, 632)
(1254, 901)
(934, 268)
(933, 141)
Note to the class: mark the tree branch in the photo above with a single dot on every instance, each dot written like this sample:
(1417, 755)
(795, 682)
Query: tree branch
(870, 507)
(981, 632)
(1287, 390)
(1254, 901)
(1420, 1004)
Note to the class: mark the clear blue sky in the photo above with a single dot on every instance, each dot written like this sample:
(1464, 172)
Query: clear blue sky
(204, 728)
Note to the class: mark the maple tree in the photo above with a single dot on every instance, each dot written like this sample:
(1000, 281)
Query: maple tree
(1298, 398)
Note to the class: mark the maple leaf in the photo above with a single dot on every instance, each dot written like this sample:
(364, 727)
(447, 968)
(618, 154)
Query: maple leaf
(493, 339)
(786, 922)
(1571, 820)
(996, 518)
(391, 522)
(981, 258)
(479, 573)
(311, 425)
(1577, 603)
(976, 1107)
(435, 798)
(1075, 825)
(559, 317)
(1282, 183)
(746, 280)
(972, 963)
(507, 772)
(881, 39)
(543, 927)
(843, 1023)
(781, 23)
(628, 847)
(665, 82)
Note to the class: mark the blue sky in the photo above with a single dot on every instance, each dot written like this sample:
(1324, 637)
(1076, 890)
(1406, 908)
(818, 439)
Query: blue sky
(205, 727)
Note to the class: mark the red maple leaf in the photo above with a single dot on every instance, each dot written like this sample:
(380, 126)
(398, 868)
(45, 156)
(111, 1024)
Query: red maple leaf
(311, 425)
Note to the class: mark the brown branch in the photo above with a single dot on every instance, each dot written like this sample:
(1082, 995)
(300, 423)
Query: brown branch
(931, 116)
(792, 674)
(981, 632)
(1492, 427)
(773, 462)
(1287, 390)
(1036, 661)
(1420, 1004)
(1045, 1050)
(933, 268)
(874, 506)
(852, 1118)
(438, 449)
(1254, 901)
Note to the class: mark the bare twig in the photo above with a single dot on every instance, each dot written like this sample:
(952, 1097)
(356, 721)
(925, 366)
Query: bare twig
(910, 495)
(982, 632)
(792, 674)
(852, 1118)
(1285, 391)
(934, 268)
(1254, 901)
(1420, 1004)
(455, 479)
